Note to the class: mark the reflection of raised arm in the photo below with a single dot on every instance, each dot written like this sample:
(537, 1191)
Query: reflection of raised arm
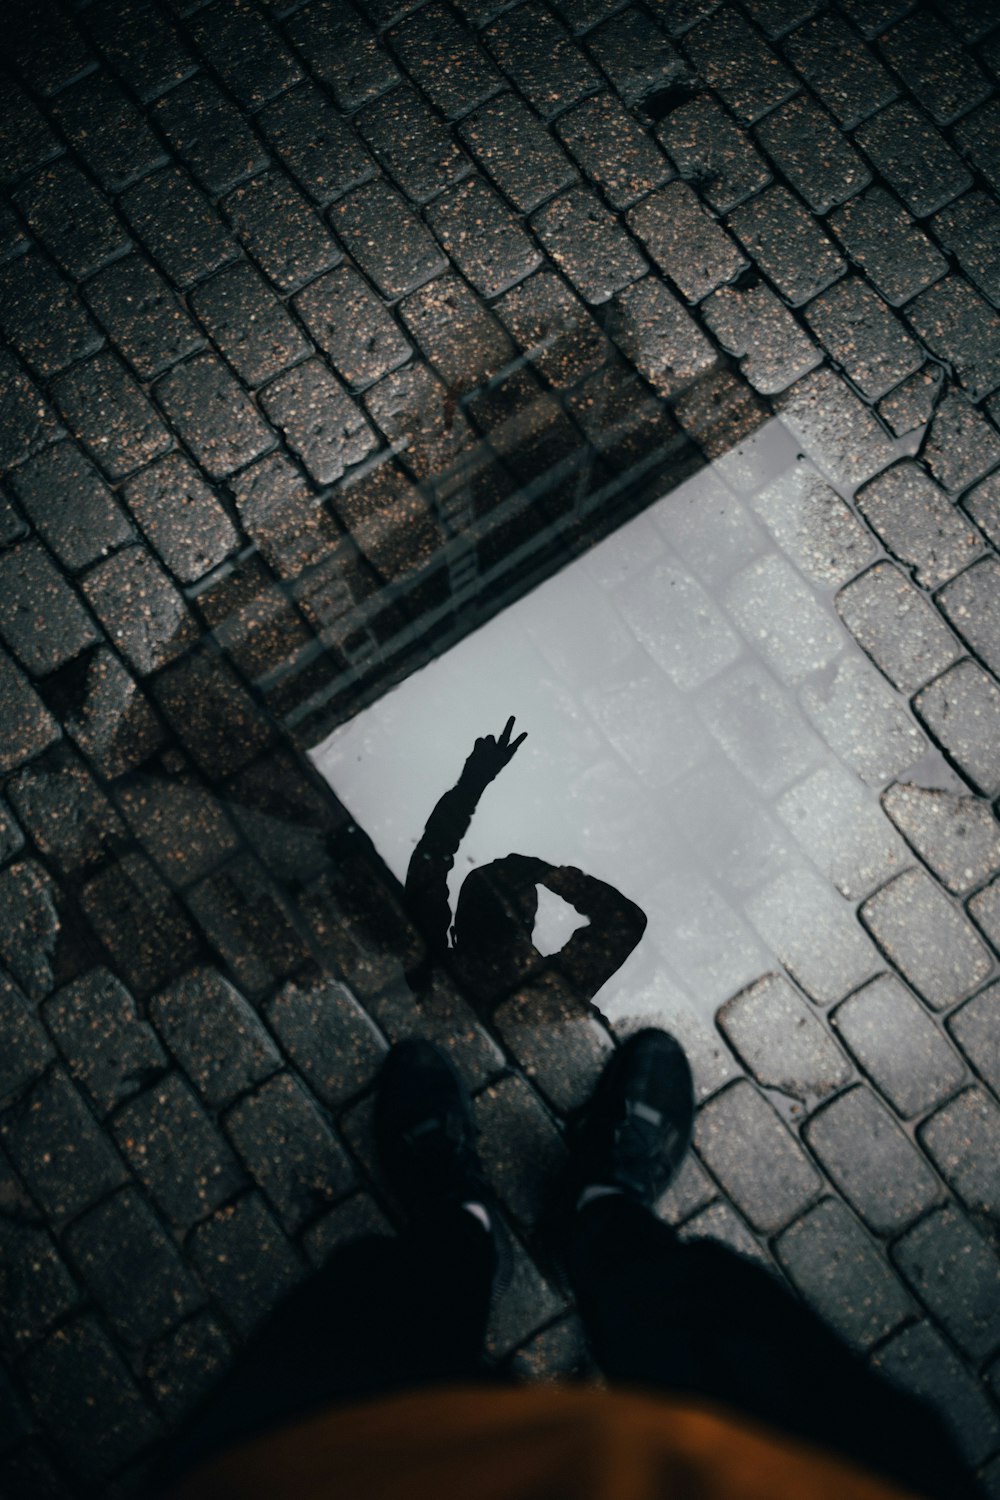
(595, 952)
(434, 856)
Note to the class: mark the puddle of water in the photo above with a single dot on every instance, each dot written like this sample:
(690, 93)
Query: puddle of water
(703, 733)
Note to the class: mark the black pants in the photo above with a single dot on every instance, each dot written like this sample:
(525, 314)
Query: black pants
(385, 1315)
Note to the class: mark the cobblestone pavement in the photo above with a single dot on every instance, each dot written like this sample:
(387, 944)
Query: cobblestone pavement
(327, 331)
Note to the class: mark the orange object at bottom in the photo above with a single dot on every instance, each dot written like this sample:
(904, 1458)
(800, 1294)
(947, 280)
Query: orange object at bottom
(530, 1443)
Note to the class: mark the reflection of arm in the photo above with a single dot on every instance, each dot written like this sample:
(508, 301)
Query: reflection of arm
(432, 860)
(594, 953)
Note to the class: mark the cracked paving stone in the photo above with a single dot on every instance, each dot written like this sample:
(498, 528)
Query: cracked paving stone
(781, 1042)
(320, 421)
(983, 505)
(214, 1035)
(911, 405)
(181, 517)
(57, 1146)
(144, 615)
(110, 1052)
(957, 836)
(245, 1261)
(927, 938)
(756, 1159)
(814, 527)
(685, 241)
(833, 1264)
(107, 715)
(871, 1161)
(963, 1141)
(787, 243)
(919, 524)
(634, 53)
(897, 627)
(972, 603)
(842, 829)
(754, 325)
(132, 1268)
(898, 1045)
(290, 1151)
(962, 711)
(961, 327)
(961, 444)
(956, 1274)
(976, 1029)
(74, 510)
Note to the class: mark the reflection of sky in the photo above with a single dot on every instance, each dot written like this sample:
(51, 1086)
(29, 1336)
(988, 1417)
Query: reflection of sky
(665, 681)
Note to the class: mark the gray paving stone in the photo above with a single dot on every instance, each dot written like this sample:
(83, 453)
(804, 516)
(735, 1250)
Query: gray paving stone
(890, 248)
(754, 325)
(58, 1148)
(977, 136)
(42, 318)
(927, 938)
(328, 1037)
(482, 237)
(343, 52)
(961, 444)
(656, 333)
(956, 1274)
(26, 418)
(560, 1048)
(983, 505)
(813, 933)
(176, 1151)
(31, 926)
(38, 1288)
(108, 1049)
(721, 1224)
(245, 1261)
(758, 1162)
(139, 922)
(176, 818)
(465, 343)
(976, 1029)
(984, 908)
(67, 500)
(972, 603)
(132, 1268)
(107, 130)
(521, 1149)
(913, 157)
(72, 218)
(940, 72)
(88, 1400)
(352, 326)
(588, 244)
(537, 54)
(142, 316)
(685, 241)
(140, 609)
(519, 154)
(782, 619)
(248, 324)
(690, 1191)
(214, 1035)
(808, 148)
(28, 1050)
(319, 420)
(733, 59)
(969, 229)
(962, 711)
(958, 837)
(667, 619)
(870, 1160)
(832, 1262)
(846, 75)
(210, 134)
(637, 58)
(919, 524)
(27, 140)
(108, 412)
(183, 1367)
(11, 836)
(177, 225)
(910, 406)
(864, 337)
(445, 60)
(387, 239)
(390, 522)
(42, 618)
(615, 153)
(107, 716)
(184, 522)
(281, 230)
(758, 729)
(842, 829)
(553, 327)
(836, 429)
(413, 144)
(814, 527)
(897, 627)
(61, 807)
(787, 243)
(281, 513)
(899, 1046)
(142, 46)
(962, 1140)
(315, 143)
(961, 327)
(290, 1151)
(241, 912)
(782, 1042)
(247, 53)
(919, 1360)
(214, 716)
(712, 153)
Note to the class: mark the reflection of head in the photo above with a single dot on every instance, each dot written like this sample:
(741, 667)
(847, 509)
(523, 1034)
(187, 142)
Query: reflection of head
(495, 915)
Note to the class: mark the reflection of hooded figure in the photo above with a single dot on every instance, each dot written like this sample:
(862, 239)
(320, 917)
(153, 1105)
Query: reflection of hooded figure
(492, 952)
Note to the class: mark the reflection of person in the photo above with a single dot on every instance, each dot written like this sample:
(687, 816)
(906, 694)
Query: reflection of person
(369, 1382)
(491, 949)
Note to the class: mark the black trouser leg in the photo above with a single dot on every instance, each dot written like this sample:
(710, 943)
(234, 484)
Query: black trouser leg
(699, 1319)
(381, 1315)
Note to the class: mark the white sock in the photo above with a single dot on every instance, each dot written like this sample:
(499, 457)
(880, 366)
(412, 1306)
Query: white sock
(595, 1191)
(478, 1211)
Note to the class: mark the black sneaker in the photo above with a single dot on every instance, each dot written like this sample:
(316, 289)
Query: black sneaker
(636, 1129)
(425, 1131)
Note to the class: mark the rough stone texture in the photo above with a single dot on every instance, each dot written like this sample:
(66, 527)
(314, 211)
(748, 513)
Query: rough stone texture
(788, 244)
(956, 1274)
(709, 150)
(871, 1161)
(57, 1146)
(898, 1046)
(685, 242)
(328, 1036)
(919, 1360)
(588, 245)
(836, 429)
(961, 444)
(927, 938)
(245, 1261)
(214, 1035)
(897, 627)
(754, 325)
(962, 1141)
(891, 249)
(972, 604)
(807, 147)
(757, 1161)
(781, 1041)
(840, 827)
(958, 837)
(75, 512)
(962, 711)
(914, 158)
(812, 931)
(919, 524)
(974, 1027)
(108, 1049)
